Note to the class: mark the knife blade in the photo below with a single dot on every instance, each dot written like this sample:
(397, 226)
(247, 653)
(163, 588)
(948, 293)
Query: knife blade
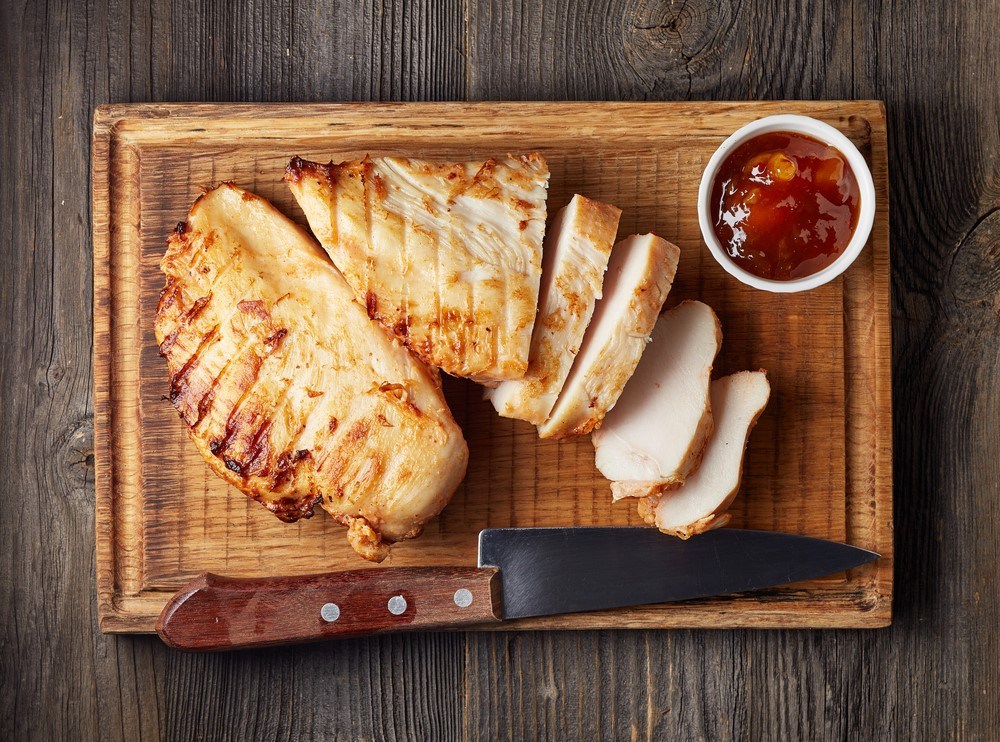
(522, 572)
(546, 571)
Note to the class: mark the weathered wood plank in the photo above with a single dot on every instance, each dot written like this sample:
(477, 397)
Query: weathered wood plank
(933, 675)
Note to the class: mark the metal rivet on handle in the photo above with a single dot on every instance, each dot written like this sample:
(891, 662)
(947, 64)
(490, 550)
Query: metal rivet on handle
(397, 605)
(330, 612)
(463, 598)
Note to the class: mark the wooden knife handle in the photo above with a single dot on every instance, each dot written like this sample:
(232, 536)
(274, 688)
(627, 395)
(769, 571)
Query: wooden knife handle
(214, 612)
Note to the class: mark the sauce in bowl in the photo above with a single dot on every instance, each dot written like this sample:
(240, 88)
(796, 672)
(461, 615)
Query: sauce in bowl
(784, 205)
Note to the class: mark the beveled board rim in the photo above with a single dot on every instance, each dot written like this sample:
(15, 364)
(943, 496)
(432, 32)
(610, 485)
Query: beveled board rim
(864, 599)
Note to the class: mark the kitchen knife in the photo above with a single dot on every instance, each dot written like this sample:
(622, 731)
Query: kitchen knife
(522, 572)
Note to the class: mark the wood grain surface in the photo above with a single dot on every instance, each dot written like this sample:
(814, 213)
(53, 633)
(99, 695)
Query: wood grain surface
(932, 675)
(819, 463)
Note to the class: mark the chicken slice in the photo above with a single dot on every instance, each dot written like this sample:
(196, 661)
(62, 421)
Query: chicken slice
(654, 437)
(288, 390)
(636, 284)
(446, 256)
(577, 245)
(701, 503)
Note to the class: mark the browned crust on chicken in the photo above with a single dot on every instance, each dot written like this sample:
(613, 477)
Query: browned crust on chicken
(599, 224)
(458, 286)
(289, 392)
(233, 437)
(624, 490)
(580, 414)
(366, 541)
(577, 246)
(647, 511)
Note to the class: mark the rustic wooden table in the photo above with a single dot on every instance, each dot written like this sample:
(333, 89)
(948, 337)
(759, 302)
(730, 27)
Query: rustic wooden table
(933, 675)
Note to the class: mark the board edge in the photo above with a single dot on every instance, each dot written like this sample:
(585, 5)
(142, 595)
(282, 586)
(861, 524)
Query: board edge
(114, 619)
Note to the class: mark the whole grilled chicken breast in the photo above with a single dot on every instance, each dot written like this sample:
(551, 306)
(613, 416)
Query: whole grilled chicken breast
(446, 256)
(288, 390)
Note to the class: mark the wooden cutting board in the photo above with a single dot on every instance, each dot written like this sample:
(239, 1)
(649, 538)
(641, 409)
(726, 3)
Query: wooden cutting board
(819, 461)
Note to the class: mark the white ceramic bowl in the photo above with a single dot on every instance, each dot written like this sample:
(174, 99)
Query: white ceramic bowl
(818, 130)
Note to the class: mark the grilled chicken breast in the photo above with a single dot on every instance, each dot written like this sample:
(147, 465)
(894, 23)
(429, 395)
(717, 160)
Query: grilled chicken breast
(656, 434)
(446, 256)
(288, 390)
(636, 284)
(577, 246)
(701, 503)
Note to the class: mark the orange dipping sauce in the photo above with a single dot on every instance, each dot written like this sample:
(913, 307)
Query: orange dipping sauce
(784, 205)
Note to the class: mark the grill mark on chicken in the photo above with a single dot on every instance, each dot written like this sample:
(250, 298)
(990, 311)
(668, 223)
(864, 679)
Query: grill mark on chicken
(178, 382)
(196, 309)
(168, 296)
(244, 382)
(285, 398)
(331, 448)
(358, 432)
(205, 403)
(306, 418)
(185, 321)
(185, 247)
(272, 341)
(168, 343)
(348, 452)
(254, 308)
(250, 406)
(286, 465)
(280, 403)
(208, 399)
(258, 452)
(370, 296)
(473, 227)
(359, 461)
(198, 264)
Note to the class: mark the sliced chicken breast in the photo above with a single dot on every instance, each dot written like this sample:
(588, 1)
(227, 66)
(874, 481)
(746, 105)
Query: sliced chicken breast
(654, 437)
(701, 503)
(577, 245)
(446, 256)
(636, 284)
(289, 391)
